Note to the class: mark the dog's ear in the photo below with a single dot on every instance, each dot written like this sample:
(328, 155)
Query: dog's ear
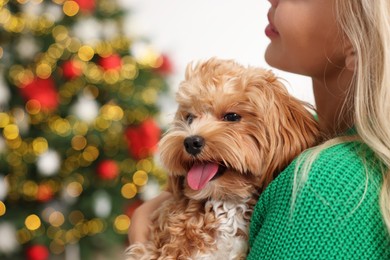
(291, 127)
(298, 128)
(175, 185)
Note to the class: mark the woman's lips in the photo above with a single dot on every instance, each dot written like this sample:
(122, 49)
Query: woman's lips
(270, 31)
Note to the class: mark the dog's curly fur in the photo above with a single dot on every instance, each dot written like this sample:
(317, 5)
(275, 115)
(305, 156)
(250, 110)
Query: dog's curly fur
(252, 128)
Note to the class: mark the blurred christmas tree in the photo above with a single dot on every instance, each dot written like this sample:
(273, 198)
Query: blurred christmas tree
(78, 102)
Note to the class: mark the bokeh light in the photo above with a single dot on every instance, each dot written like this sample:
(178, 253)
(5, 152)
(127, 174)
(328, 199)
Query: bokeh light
(32, 222)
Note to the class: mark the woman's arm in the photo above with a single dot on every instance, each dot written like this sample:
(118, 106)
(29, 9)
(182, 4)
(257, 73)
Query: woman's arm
(140, 221)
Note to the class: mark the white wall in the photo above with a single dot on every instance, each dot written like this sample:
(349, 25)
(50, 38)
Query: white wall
(197, 29)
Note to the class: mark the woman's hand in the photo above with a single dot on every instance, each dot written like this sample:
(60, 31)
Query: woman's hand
(139, 230)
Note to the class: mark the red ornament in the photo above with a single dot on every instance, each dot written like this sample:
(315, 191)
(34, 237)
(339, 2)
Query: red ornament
(43, 91)
(44, 193)
(142, 140)
(72, 69)
(112, 62)
(37, 252)
(107, 170)
(86, 6)
(164, 65)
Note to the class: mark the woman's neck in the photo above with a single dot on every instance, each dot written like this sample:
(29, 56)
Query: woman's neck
(335, 114)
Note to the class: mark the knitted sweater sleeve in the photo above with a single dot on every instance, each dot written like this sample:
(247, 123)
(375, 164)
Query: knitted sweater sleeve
(336, 213)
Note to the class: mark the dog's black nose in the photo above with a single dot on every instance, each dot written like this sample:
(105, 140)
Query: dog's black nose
(194, 144)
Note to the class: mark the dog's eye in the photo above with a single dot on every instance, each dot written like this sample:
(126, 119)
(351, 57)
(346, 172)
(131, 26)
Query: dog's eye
(232, 117)
(190, 118)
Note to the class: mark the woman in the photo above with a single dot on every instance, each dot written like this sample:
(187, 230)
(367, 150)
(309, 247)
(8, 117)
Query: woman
(333, 202)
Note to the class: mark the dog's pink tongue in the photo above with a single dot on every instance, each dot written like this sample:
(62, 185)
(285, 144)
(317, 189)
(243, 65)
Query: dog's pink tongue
(200, 174)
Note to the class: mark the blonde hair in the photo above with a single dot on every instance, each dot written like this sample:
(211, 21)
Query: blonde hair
(367, 26)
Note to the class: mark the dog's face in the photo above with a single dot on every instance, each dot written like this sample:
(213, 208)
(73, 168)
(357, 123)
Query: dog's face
(234, 130)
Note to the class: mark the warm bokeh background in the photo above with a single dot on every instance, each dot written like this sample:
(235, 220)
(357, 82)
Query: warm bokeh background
(86, 90)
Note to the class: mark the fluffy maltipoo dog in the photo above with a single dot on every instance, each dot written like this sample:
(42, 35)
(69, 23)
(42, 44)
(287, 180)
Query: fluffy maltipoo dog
(235, 129)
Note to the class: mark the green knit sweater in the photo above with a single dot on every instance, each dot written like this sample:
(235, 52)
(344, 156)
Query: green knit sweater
(336, 216)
